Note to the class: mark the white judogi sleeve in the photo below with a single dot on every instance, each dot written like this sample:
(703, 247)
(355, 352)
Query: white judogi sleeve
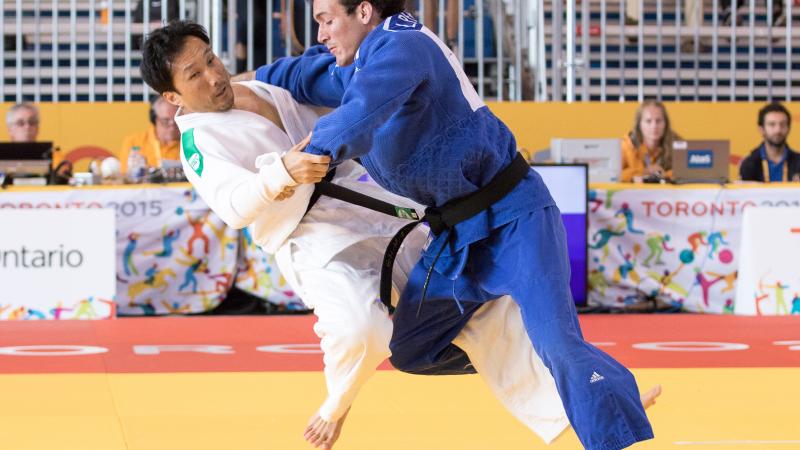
(235, 194)
(233, 160)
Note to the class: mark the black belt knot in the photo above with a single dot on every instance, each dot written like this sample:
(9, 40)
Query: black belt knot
(433, 216)
(440, 219)
(447, 216)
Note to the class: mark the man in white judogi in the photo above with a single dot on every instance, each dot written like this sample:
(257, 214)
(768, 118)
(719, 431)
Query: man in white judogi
(233, 143)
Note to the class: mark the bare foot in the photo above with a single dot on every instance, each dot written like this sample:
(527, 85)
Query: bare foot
(648, 400)
(649, 397)
(323, 434)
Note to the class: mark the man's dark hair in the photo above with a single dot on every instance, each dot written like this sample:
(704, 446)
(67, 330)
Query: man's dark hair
(385, 7)
(771, 108)
(160, 49)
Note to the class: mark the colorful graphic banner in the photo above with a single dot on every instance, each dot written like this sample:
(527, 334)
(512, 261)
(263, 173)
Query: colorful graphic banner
(258, 275)
(677, 245)
(174, 256)
(769, 277)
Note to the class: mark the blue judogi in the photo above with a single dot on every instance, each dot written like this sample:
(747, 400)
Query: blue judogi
(408, 111)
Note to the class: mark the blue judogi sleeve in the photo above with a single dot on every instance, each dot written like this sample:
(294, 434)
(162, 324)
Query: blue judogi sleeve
(379, 83)
(313, 78)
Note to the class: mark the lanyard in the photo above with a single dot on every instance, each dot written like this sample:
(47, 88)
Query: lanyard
(647, 160)
(765, 169)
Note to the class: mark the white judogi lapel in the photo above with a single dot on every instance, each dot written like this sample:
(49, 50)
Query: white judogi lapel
(242, 172)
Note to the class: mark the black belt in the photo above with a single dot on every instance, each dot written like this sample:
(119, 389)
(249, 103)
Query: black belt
(440, 219)
(448, 216)
(328, 189)
(317, 194)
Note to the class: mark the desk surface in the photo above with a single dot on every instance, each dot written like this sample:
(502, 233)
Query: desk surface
(668, 186)
(97, 187)
(604, 186)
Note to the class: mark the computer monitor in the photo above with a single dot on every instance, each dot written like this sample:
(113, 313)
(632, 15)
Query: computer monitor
(700, 161)
(26, 158)
(568, 184)
(603, 156)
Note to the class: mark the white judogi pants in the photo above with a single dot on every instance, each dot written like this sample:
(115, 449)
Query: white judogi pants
(355, 330)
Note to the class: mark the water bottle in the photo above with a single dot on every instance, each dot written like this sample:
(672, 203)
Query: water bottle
(136, 165)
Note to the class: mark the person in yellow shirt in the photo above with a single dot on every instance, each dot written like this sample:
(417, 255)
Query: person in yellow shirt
(160, 141)
(647, 149)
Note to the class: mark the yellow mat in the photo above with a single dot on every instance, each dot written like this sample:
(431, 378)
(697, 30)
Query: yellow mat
(700, 408)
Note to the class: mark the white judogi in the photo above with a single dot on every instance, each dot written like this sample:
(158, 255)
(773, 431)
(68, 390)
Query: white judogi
(331, 256)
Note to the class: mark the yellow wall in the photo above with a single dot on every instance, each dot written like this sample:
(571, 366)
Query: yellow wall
(103, 125)
(76, 126)
(534, 124)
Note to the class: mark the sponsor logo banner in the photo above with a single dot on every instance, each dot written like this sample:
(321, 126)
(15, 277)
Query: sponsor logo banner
(700, 159)
(58, 260)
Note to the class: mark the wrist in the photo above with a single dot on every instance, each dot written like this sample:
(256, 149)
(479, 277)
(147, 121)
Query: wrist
(273, 174)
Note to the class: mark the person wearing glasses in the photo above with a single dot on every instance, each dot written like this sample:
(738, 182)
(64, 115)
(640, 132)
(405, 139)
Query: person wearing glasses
(159, 141)
(23, 122)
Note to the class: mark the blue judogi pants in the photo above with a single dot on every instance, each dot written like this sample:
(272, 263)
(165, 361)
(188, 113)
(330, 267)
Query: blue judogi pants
(527, 259)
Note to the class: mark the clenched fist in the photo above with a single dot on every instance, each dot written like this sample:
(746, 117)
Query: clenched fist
(305, 168)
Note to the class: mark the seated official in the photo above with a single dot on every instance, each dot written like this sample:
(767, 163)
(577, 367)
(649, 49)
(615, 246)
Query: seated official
(159, 142)
(647, 149)
(772, 161)
(23, 122)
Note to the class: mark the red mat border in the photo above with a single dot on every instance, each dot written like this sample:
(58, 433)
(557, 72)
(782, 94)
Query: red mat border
(725, 341)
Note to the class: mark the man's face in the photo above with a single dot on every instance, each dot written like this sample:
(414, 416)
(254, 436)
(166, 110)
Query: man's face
(775, 129)
(343, 33)
(166, 129)
(24, 126)
(201, 81)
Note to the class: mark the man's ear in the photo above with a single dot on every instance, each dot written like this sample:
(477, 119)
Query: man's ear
(365, 12)
(173, 97)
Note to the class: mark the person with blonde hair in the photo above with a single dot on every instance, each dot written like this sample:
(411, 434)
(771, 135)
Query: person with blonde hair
(647, 148)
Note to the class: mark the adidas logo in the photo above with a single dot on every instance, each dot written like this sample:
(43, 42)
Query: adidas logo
(596, 377)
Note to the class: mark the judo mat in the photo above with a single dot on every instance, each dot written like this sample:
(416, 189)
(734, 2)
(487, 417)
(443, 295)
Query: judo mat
(239, 383)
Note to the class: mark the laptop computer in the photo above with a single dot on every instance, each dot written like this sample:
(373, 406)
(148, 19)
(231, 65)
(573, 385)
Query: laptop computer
(603, 156)
(26, 158)
(700, 161)
(26, 150)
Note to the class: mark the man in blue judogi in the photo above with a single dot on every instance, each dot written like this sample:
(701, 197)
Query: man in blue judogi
(406, 109)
